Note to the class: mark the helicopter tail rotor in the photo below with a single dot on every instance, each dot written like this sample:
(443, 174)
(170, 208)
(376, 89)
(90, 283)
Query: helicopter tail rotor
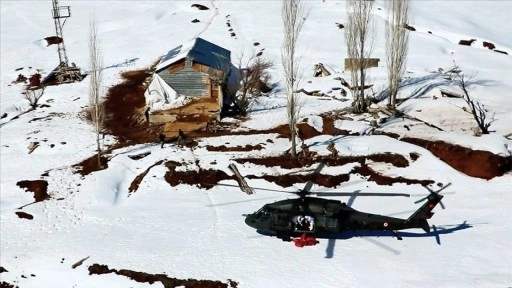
(420, 217)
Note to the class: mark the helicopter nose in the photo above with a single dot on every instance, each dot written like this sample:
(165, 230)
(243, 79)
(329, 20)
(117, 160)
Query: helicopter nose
(250, 221)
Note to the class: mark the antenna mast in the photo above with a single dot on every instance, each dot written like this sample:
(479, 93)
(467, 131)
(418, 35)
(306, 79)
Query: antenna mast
(63, 73)
(60, 12)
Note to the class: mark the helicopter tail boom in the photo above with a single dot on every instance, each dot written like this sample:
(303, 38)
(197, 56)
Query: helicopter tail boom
(420, 217)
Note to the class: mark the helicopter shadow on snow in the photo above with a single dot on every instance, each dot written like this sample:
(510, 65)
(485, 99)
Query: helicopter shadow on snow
(370, 235)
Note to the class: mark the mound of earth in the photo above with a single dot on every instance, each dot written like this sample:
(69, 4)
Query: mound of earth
(38, 187)
(167, 281)
(475, 163)
(120, 120)
(24, 215)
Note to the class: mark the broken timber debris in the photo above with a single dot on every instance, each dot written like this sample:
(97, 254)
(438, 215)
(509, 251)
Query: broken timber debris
(241, 181)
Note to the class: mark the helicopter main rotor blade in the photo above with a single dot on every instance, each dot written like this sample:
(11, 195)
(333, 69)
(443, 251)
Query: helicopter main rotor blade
(421, 200)
(263, 189)
(433, 192)
(324, 194)
(445, 186)
(438, 191)
(310, 183)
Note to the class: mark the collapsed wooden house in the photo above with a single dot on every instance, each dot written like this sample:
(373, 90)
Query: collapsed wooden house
(190, 86)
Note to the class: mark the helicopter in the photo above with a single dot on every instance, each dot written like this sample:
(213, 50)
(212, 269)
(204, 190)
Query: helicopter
(311, 216)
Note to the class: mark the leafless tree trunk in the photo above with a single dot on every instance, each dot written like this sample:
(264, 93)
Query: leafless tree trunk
(359, 38)
(397, 40)
(476, 109)
(96, 107)
(294, 16)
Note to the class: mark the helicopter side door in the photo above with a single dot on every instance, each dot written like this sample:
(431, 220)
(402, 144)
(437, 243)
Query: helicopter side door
(303, 223)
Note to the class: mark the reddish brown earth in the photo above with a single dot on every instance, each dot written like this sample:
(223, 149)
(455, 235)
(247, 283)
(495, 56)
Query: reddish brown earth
(4, 284)
(91, 164)
(38, 187)
(203, 178)
(475, 163)
(136, 182)
(24, 215)
(121, 102)
(167, 281)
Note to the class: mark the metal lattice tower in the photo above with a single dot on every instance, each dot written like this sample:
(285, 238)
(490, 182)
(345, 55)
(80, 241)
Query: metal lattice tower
(60, 12)
(63, 73)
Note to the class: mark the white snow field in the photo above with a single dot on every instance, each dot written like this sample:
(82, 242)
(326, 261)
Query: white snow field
(188, 232)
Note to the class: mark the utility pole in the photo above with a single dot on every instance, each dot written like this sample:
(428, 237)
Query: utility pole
(60, 12)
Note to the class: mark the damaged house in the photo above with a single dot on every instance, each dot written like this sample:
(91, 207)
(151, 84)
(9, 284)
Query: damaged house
(191, 85)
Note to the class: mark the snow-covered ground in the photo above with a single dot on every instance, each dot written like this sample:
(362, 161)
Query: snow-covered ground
(188, 232)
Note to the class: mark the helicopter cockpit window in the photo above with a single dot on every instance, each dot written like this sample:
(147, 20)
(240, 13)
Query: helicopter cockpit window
(304, 223)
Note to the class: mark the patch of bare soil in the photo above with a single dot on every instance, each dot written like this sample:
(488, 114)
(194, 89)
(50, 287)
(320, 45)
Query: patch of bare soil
(306, 131)
(200, 7)
(224, 148)
(24, 215)
(91, 164)
(289, 180)
(209, 178)
(167, 281)
(474, 163)
(38, 187)
(202, 178)
(4, 284)
(386, 180)
(136, 182)
(334, 180)
(285, 161)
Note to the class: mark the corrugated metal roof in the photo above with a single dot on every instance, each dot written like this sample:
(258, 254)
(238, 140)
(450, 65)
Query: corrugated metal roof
(201, 51)
(186, 81)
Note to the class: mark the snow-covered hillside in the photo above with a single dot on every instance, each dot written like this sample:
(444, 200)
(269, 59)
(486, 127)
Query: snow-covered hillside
(186, 231)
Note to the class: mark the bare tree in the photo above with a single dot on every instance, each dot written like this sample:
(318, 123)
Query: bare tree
(254, 79)
(397, 40)
(96, 104)
(294, 16)
(359, 39)
(476, 109)
(33, 96)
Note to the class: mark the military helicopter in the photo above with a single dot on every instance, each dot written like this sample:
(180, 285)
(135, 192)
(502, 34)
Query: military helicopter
(309, 216)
